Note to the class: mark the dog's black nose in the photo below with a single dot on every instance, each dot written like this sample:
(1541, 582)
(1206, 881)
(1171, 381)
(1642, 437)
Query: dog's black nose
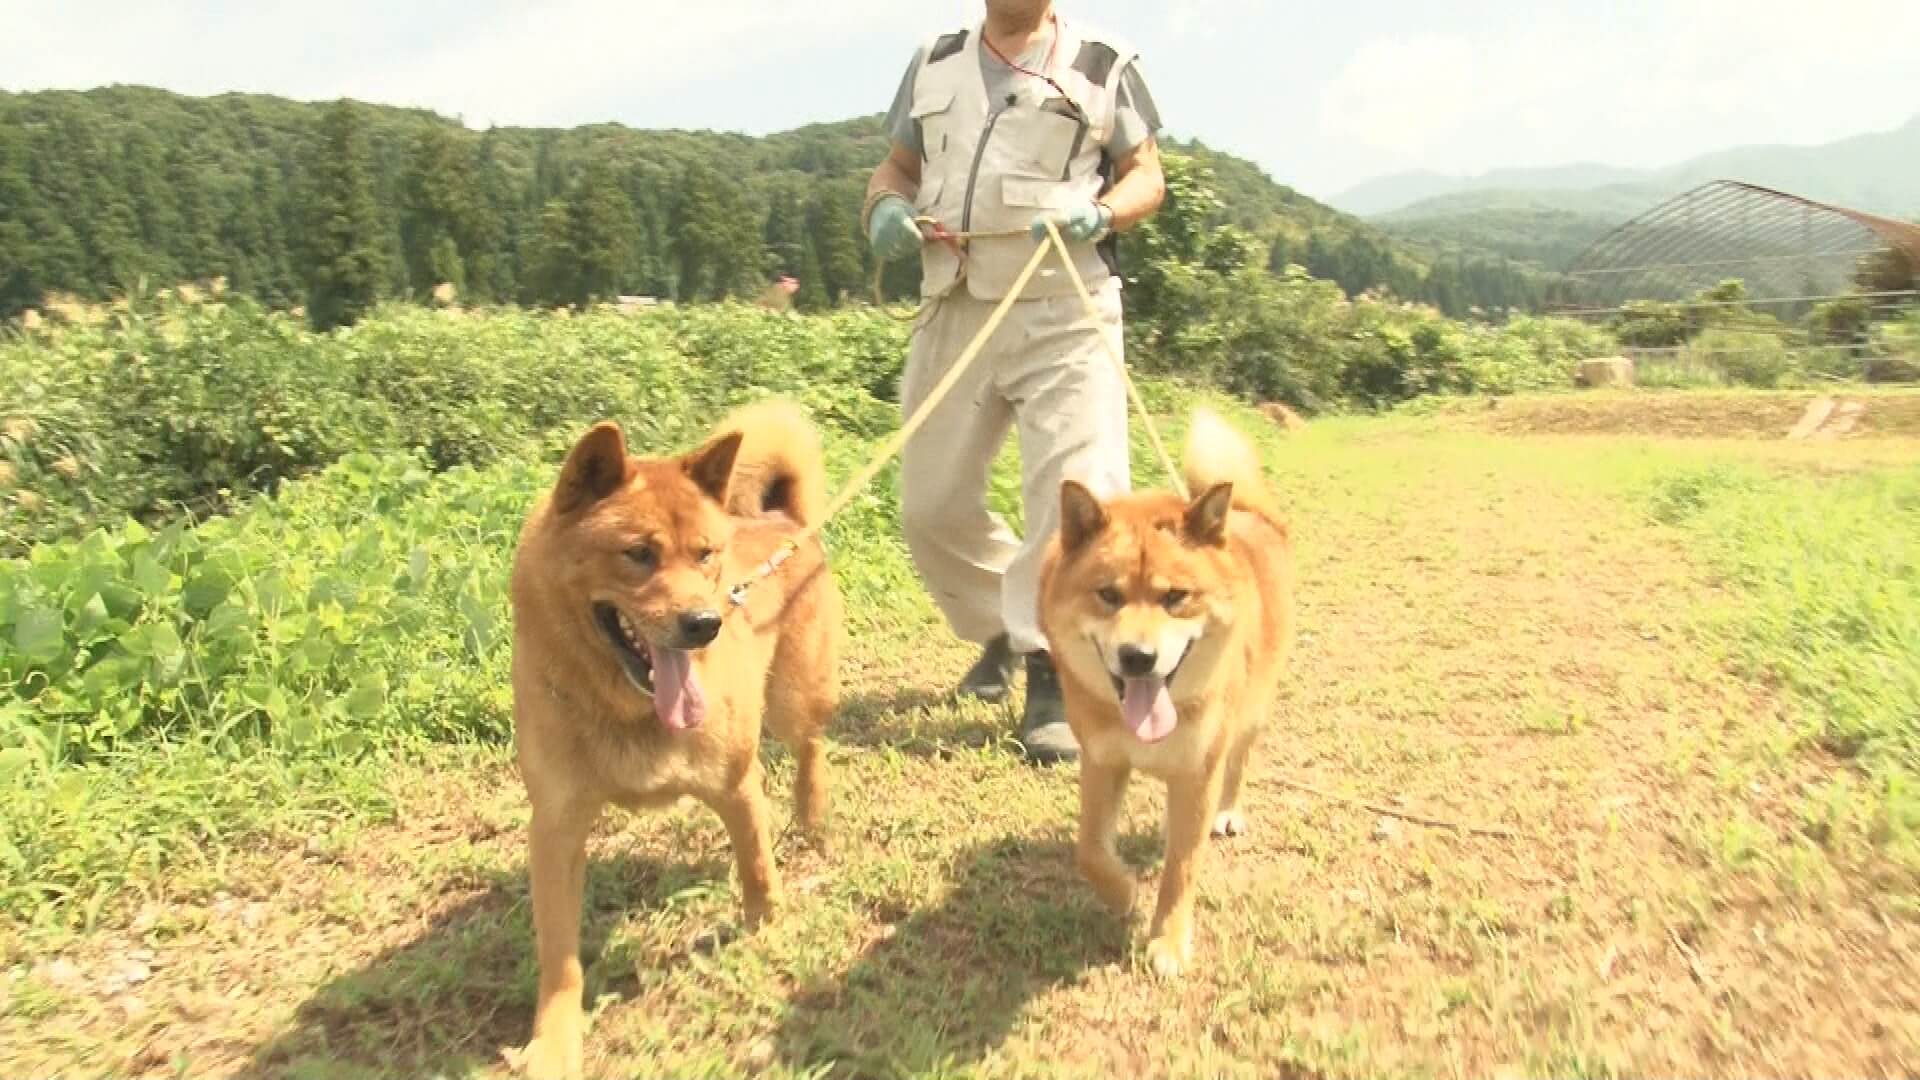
(1137, 661)
(699, 628)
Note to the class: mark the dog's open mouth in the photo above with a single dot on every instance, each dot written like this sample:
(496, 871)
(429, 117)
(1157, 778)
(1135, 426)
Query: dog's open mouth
(1145, 702)
(663, 674)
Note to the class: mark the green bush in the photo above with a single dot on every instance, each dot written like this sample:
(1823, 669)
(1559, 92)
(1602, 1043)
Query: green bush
(1300, 340)
(1839, 322)
(1532, 353)
(167, 404)
(1201, 306)
(1896, 350)
(1648, 324)
(1745, 357)
(368, 597)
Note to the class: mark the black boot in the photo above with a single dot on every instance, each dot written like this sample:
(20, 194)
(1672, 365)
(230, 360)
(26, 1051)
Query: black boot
(1044, 733)
(991, 676)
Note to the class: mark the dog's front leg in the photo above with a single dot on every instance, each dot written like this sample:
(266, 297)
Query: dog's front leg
(557, 861)
(1102, 788)
(1191, 799)
(744, 811)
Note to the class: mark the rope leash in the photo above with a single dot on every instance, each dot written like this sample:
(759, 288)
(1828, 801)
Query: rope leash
(1113, 353)
(737, 595)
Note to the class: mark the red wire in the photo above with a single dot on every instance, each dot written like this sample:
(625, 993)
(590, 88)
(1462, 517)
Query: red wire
(941, 234)
(1046, 65)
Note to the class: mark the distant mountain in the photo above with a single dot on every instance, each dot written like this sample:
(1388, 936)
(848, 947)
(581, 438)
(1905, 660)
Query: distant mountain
(1877, 172)
(1545, 216)
(1612, 203)
(1385, 194)
(1528, 226)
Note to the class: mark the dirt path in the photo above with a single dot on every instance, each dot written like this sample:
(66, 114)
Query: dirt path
(1489, 636)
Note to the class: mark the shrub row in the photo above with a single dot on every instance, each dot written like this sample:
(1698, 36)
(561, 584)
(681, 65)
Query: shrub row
(169, 405)
(1300, 340)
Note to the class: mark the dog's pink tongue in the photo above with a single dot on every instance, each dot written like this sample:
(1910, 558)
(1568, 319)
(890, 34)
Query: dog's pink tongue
(1148, 708)
(676, 689)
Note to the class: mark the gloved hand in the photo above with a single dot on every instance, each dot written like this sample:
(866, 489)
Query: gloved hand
(891, 231)
(1078, 225)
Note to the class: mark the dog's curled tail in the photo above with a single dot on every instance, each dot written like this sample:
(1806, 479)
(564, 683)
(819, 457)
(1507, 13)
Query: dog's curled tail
(779, 468)
(1217, 453)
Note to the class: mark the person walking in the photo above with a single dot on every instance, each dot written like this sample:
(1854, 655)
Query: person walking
(1025, 119)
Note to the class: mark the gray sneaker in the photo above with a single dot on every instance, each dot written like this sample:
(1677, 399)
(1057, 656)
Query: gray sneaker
(1044, 733)
(991, 677)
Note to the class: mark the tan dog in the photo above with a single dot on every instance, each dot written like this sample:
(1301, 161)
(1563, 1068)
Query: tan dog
(1171, 621)
(636, 683)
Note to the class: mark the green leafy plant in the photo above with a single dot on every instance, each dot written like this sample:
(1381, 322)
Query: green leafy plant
(1745, 357)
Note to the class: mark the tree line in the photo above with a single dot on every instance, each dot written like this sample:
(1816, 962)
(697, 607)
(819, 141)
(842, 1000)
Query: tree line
(336, 206)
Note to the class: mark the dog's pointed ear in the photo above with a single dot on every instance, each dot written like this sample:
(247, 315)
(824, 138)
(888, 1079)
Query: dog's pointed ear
(711, 466)
(1206, 517)
(1081, 516)
(596, 467)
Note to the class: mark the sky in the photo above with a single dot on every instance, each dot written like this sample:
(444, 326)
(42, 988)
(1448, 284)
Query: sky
(1322, 95)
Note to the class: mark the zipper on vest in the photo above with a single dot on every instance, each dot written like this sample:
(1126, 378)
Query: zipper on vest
(979, 152)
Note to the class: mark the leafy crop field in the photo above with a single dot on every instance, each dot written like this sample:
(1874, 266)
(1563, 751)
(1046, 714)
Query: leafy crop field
(259, 818)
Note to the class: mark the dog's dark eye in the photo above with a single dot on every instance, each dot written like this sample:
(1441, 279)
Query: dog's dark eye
(643, 555)
(705, 555)
(1174, 598)
(1110, 596)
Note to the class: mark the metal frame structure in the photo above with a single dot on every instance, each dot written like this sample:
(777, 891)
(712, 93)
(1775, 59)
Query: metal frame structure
(1790, 251)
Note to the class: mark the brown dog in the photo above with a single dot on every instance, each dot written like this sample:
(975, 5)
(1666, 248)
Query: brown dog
(1172, 621)
(636, 682)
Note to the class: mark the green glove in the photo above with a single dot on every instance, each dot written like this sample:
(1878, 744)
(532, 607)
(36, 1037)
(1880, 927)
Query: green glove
(1088, 222)
(891, 231)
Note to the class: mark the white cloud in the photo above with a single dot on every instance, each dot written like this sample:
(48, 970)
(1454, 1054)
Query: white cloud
(1404, 94)
(542, 65)
(1209, 18)
(560, 62)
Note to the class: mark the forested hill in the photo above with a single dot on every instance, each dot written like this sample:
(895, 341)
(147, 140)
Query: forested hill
(100, 188)
(307, 203)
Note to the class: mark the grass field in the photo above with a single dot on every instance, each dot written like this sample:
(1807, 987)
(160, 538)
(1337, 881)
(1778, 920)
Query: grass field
(1682, 673)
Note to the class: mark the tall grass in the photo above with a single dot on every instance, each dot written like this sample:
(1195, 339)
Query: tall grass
(1826, 578)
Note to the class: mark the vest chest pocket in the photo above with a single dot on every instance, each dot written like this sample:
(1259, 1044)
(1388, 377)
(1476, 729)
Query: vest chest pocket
(933, 115)
(1042, 140)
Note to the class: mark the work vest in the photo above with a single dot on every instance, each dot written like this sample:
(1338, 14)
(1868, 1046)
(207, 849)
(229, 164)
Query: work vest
(993, 166)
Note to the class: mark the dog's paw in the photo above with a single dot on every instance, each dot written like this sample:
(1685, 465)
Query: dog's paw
(816, 839)
(546, 1059)
(1169, 957)
(1117, 894)
(757, 911)
(1230, 823)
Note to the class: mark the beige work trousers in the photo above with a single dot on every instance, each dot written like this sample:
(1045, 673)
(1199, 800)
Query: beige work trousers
(1045, 370)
